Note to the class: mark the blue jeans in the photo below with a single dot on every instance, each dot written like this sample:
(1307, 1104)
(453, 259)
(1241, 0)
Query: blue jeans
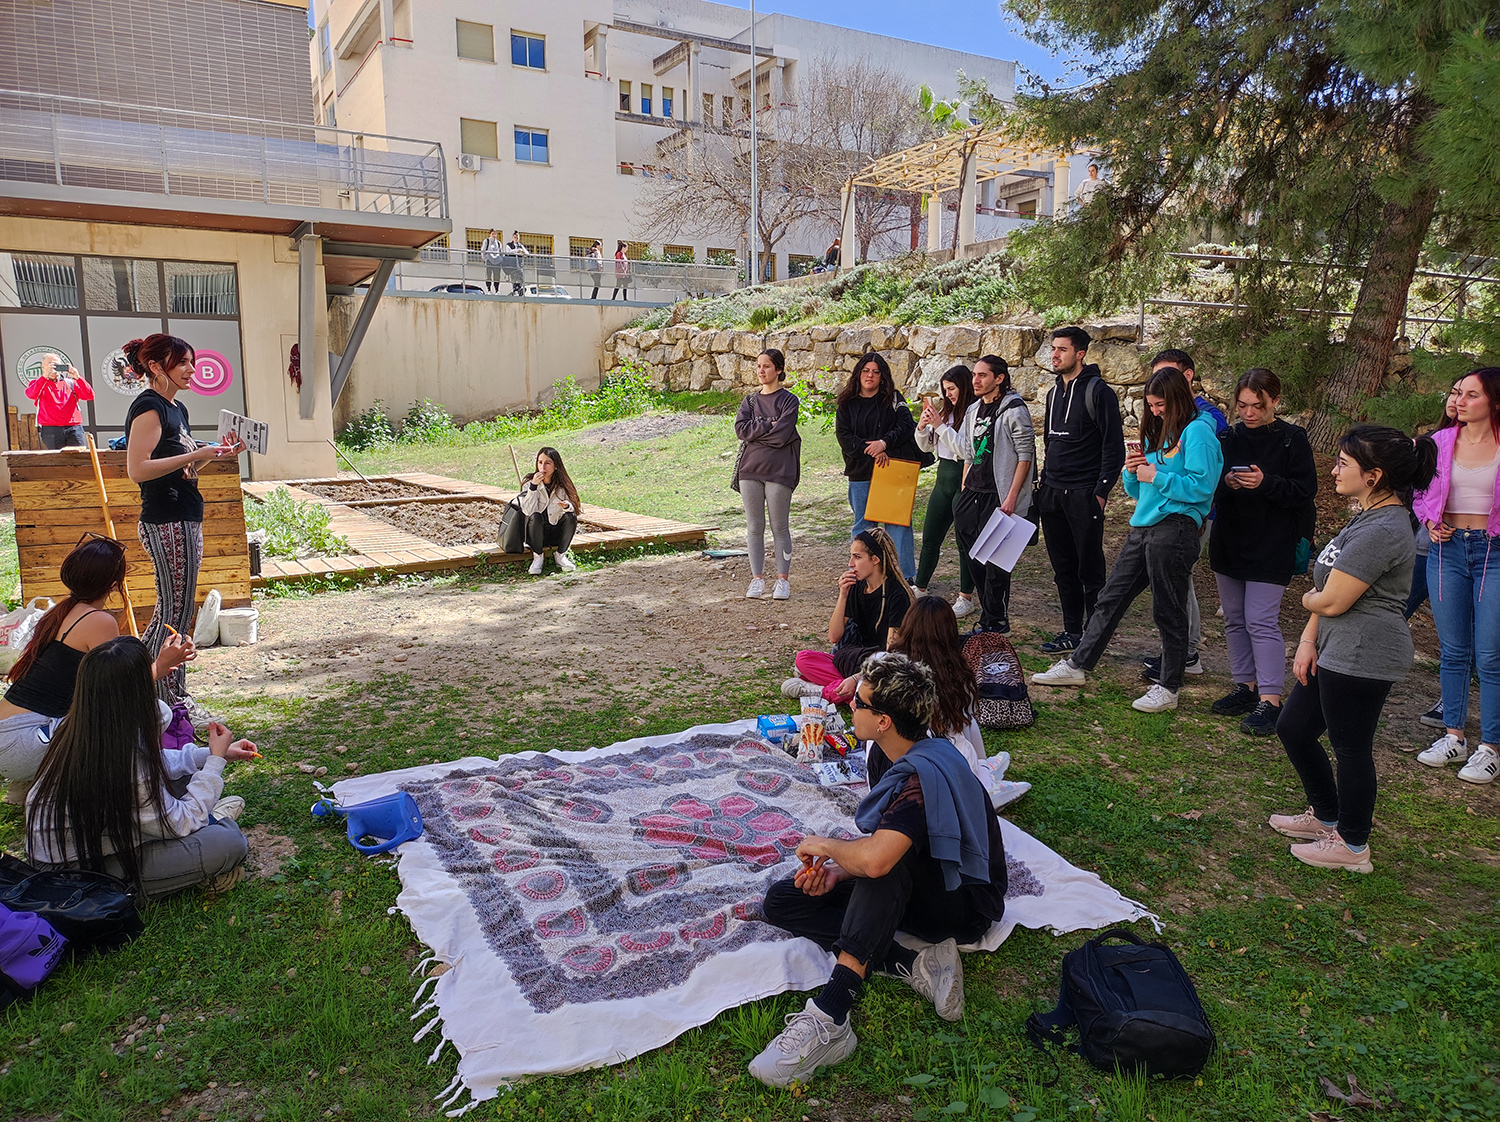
(1466, 609)
(906, 541)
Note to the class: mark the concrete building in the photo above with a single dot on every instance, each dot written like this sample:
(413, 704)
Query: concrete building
(551, 114)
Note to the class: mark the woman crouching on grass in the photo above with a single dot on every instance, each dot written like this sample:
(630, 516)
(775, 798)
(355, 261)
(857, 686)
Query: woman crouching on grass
(108, 797)
(873, 599)
(550, 503)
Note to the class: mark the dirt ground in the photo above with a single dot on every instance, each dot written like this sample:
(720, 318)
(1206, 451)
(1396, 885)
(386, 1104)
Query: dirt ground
(356, 490)
(646, 427)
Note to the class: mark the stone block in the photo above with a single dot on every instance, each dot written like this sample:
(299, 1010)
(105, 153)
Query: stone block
(723, 342)
(721, 386)
(1120, 364)
(777, 339)
(702, 342)
(824, 354)
(1014, 344)
(703, 371)
(747, 372)
(921, 340)
(1031, 382)
(898, 339)
(727, 366)
(679, 375)
(824, 332)
(902, 365)
(625, 350)
(1116, 331)
(958, 341)
(798, 341)
(929, 373)
(647, 339)
(748, 343)
(681, 351)
(799, 364)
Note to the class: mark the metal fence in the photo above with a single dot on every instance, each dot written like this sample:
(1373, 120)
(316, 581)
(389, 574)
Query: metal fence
(572, 278)
(77, 142)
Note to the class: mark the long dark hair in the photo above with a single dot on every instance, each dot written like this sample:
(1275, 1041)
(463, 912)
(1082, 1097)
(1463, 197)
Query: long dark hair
(93, 570)
(1450, 422)
(1405, 465)
(559, 475)
(110, 741)
(165, 350)
(1000, 369)
(1489, 382)
(929, 633)
(887, 382)
(1161, 434)
(962, 377)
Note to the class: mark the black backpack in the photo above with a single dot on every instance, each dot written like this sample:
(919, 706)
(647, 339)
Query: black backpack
(1135, 1008)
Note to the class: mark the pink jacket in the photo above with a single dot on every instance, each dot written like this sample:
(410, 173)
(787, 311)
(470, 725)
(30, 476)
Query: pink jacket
(1429, 505)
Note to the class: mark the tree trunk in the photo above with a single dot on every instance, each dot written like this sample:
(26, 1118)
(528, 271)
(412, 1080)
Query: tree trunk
(1378, 311)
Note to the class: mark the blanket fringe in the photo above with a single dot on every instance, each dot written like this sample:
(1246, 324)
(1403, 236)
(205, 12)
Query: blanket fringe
(438, 1051)
(430, 1005)
(416, 997)
(425, 1029)
(451, 1093)
(463, 1109)
(422, 965)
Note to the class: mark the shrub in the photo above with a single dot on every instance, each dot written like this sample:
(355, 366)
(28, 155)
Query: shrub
(762, 317)
(369, 428)
(294, 528)
(426, 422)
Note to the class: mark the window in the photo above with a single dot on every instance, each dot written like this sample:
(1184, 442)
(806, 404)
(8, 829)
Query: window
(119, 284)
(1027, 209)
(479, 138)
(721, 256)
(679, 254)
(579, 247)
(799, 265)
(44, 281)
(744, 108)
(708, 109)
(531, 146)
(529, 51)
(476, 41)
(624, 96)
(637, 251)
(726, 114)
(330, 117)
(666, 101)
(645, 99)
(538, 244)
(201, 290)
(474, 238)
(325, 50)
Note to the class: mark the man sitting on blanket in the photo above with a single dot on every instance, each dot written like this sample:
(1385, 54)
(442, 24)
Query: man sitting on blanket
(931, 864)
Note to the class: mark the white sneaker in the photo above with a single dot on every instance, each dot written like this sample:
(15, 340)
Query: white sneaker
(1061, 673)
(230, 807)
(536, 564)
(1482, 767)
(938, 975)
(1446, 749)
(565, 561)
(800, 687)
(783, 589)
(963, 606)
(1158, 699)
(811, 1039)
(756, 590)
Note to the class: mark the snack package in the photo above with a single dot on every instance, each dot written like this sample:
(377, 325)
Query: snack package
(814, 708)
(810, 749)
(776, 729)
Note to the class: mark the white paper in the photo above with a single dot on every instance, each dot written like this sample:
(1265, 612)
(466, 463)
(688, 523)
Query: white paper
(989, 537)
(1002, 541)
(255, 434)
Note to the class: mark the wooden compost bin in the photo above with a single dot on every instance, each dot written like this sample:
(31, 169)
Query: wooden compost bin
(57, 501)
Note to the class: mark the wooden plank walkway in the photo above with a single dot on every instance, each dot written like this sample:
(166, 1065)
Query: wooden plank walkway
(380, 547)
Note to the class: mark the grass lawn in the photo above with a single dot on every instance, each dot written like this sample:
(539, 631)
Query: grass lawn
(289, 998)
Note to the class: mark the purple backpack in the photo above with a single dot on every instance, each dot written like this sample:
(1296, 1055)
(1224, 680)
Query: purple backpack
(30, 949)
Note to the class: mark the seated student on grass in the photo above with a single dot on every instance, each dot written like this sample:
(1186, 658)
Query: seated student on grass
(873, 598)
(931, 864)
(929, 635)
(42, 678)
(108, 797)
(550, 503)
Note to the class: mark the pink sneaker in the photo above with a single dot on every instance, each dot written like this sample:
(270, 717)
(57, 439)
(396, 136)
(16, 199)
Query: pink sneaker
(1330, 852)
(1305, 825)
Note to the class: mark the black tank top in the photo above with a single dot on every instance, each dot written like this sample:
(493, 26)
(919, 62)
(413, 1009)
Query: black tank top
(48, 686)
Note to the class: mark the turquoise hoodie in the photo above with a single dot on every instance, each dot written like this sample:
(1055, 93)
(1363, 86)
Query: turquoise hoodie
(1186, 476)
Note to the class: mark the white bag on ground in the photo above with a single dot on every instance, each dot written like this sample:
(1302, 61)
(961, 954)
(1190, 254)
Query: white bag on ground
(206, 631)
(17, 627)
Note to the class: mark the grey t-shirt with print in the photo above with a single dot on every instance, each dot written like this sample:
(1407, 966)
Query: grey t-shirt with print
(1371, 639)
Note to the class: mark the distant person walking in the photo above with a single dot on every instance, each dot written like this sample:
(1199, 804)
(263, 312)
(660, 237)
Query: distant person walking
(834, 255)
(57, 392)
(769, 468)
(622, 273)
(874, 426)
(938, 433)
(596, 267)
(493, 254)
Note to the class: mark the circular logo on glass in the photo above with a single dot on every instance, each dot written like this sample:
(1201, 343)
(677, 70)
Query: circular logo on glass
(212, 374)
(119, 375)
(39, 362)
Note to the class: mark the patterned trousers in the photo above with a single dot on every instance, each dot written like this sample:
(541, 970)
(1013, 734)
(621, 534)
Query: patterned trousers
(176, 550)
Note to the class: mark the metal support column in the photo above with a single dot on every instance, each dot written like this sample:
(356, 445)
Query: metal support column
(345, 361)
(307, 310)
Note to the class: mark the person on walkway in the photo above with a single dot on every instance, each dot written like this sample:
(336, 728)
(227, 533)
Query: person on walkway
(1461, 511)
(596, 267)
(874, 426)
(873, 599)
(769, 468)
(57, 391)
(1085, 450)
(999, 448)
(1173, 481)
(492, 253)
(162, 457)
(834, 255)
(515, 263)
(931, 863)
(1354, 648)
(929, 634)
(1268, 484)
(937, 433)
(622, 273)
(550, 503)
(1433, 718)
(108, 797)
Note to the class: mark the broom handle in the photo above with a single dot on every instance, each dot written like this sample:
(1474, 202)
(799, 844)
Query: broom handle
(109, 528)
(514, 464)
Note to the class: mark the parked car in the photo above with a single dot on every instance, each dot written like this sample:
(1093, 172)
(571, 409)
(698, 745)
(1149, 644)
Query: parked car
(456, 287)
(546, 292)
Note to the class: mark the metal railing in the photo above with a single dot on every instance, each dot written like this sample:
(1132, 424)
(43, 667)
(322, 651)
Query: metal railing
(77, 142)
(539, 276)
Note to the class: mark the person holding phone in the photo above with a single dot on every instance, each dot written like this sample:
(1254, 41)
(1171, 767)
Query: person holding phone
(937, 432)
(1269, 481)
(57, 392)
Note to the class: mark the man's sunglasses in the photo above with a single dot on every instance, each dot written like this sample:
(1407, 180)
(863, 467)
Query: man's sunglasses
(857, 702)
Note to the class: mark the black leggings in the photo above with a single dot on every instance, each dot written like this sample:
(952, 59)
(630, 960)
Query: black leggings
(1348, 709)
(540, 533)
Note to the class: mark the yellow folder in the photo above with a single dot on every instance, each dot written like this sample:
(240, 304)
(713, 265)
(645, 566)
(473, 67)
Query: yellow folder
(893, 492)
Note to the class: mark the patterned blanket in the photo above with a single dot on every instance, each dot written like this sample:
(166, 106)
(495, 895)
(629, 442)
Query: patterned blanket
(594, 905)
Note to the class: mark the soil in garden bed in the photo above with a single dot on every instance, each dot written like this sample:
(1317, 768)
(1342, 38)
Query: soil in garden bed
(475, 522)
(353, 492)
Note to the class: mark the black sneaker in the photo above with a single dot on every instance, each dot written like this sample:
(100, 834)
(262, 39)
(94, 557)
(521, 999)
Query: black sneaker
(1262, 722)
(1433, 718)
(1238, 703)
(1065, 643)
(1151, 668)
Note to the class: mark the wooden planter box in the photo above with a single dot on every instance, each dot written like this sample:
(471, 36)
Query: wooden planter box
(57, 501)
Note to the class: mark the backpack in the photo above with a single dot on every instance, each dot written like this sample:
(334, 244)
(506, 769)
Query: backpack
(1135, 1008)
(1003, 700)
(30, 949)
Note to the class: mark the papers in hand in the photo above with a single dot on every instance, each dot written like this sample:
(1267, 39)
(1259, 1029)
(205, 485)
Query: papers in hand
(255, 434)
(1001, 541)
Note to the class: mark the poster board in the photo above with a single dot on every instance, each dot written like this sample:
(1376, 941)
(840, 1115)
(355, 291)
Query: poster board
(893, 492)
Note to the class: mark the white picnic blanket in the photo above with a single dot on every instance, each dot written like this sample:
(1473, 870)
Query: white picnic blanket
(594, 905)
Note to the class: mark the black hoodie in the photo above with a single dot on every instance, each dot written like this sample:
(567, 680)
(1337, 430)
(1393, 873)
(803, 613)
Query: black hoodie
(1083, 451)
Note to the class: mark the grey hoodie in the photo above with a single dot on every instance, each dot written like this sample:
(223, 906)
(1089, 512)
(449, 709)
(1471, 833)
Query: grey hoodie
(1015, 441)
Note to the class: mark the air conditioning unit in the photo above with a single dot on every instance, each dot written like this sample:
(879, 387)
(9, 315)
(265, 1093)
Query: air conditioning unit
(469, 162)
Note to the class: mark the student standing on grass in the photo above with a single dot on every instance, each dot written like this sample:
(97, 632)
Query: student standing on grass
(769, 469)
(931, 863)
(550, 503)
(1085, 445)
(1269, 481)
(999, 447)
(162, 456)
(874, 426)
(1172, 480)
(1461, 511)
(57, 392)
(109, 798)
(937, 433)
(1354, 648)
(1433, 718)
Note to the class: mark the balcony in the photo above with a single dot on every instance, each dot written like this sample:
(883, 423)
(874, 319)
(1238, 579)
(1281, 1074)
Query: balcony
(462, 272)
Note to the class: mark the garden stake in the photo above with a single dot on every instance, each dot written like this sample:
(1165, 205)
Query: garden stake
(337, 452)
(109, 528)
